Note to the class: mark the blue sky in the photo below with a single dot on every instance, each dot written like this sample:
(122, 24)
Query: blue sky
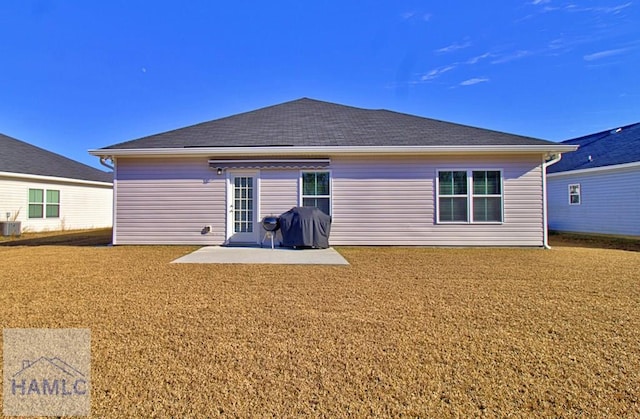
(77, 75)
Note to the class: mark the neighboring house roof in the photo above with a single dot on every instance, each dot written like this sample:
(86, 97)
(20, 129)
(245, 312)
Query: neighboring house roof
(19, 157)
(606, 148)
(311, 123)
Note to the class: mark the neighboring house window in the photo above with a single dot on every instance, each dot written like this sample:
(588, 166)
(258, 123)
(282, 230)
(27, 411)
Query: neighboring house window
(53, 204)
(574, 194)
(39, 207)
(316, 191)
(474, 195)
(36, 203)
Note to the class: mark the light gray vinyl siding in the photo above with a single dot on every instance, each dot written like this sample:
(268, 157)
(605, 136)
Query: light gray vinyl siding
(392, 201)
(610, 202)
(168, 201)
(278, 191)
(375, 201)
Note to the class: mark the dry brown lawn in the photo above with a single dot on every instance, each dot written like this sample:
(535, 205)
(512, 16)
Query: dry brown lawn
(401, 332)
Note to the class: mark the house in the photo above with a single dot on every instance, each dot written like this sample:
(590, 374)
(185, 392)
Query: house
(597, 188)
(384, 177)
(46, 191)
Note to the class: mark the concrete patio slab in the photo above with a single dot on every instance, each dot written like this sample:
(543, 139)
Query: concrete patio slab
(258, 255)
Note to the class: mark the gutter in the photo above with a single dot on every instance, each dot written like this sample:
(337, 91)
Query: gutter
(608, 168)
(326, 150)
(54, 179)
(553, 159)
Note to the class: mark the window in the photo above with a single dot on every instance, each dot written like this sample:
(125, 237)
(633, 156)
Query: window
(453, 201)
(487, 196)
(36, 203)
(574, 194)
(41, 208)
(469, 194)
(53, 204)
(316, 191)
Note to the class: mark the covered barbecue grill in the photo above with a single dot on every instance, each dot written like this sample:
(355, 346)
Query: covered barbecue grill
(305, 227)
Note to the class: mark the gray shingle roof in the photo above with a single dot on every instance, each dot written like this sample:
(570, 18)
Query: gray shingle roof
(307, 122)
(19, 157)
(606, 148)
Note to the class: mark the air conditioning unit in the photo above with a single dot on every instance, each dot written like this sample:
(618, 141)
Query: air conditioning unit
(10, 228)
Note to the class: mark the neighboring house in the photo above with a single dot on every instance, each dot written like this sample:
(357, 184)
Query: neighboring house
(46, 191)
(597, 188)
(385, 178)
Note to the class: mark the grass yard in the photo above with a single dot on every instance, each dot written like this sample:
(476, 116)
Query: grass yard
(401, 332)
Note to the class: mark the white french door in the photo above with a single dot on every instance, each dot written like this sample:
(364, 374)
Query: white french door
(242, 206)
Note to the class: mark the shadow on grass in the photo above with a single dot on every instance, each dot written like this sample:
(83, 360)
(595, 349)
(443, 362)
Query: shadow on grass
(560, 239)
(99, 237)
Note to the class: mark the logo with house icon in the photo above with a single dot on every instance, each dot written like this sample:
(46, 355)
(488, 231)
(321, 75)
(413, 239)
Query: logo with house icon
(46, 372)
(48, 377)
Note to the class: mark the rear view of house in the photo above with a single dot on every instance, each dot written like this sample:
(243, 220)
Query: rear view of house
(45, 191)
(385, 178)
(597, 188)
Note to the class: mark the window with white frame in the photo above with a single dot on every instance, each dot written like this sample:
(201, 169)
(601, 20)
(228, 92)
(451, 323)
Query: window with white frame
(316, 190)
(574, 194)
(469, 196)
(44, 203)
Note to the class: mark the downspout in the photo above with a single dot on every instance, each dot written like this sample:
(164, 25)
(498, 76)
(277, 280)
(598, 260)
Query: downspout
(104, 163)
(114, 195)
(553, 159)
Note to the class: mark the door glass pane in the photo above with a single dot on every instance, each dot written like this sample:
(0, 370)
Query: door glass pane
(243, 204)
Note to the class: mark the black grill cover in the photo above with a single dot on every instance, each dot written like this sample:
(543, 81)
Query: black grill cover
(305, 227)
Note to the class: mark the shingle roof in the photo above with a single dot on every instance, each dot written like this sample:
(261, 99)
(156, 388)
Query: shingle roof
(19, 157)
(307, 122)
(606, 148)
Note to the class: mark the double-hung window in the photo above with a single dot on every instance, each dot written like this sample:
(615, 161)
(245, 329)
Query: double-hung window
(44, 203)
(574, 194)
(487, 196)
(53, 204)
(316, 190)
(454, 198)
(469, 196)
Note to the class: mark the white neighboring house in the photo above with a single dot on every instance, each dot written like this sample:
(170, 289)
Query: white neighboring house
(46, 191)
(597, 188)
(384, 177)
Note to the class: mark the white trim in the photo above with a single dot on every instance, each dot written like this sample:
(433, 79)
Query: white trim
(342, 150)
(54, 179)
(597, 169)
